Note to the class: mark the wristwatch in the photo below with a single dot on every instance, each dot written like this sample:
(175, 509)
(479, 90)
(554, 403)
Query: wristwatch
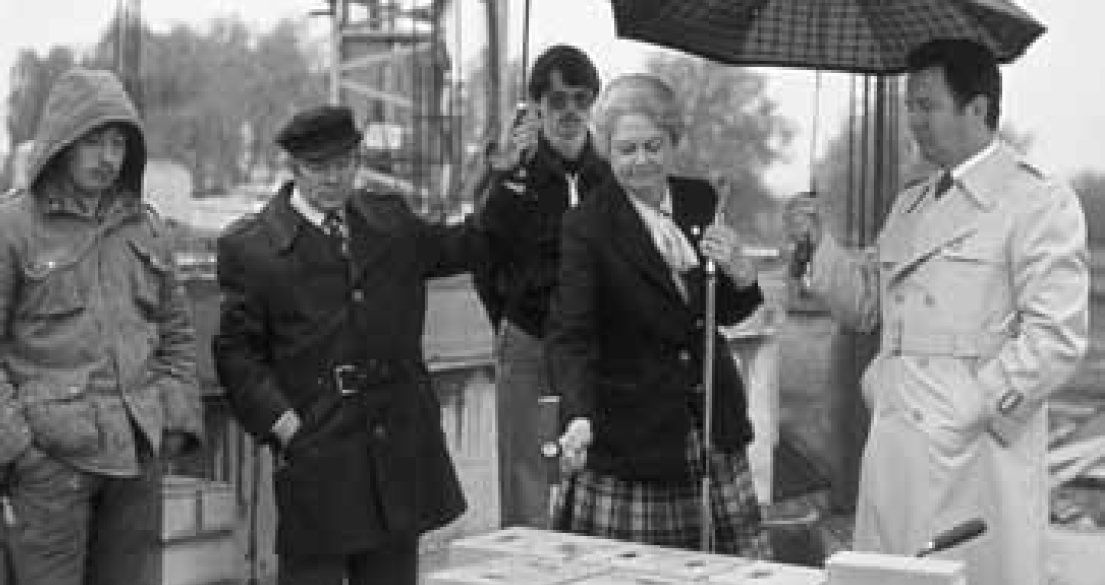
(1009, 402)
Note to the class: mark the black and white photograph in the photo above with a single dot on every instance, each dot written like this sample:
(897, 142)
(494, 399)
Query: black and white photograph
(543, 292)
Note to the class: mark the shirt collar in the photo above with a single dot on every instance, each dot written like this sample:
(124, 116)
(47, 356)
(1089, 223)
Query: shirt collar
(305, 209)
(653, 212)
(962, 168)
(665, 204)
(669, 239)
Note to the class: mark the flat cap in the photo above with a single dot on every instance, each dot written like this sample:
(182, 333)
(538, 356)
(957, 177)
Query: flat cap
(319, 133)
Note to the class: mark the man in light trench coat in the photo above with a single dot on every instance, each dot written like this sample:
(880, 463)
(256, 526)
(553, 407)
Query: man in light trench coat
(979, 283)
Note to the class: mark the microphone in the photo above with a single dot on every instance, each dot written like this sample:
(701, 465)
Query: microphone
(954, 537)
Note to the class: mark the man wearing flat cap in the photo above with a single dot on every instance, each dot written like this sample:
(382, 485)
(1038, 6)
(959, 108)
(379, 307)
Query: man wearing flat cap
(319, 350)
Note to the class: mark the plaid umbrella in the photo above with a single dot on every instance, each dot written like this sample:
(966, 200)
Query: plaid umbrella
(858, 36)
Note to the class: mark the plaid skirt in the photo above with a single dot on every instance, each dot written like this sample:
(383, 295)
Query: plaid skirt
(668, 514)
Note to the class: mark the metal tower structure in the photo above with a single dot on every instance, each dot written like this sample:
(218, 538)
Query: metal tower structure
(128, 47)
(392, 63)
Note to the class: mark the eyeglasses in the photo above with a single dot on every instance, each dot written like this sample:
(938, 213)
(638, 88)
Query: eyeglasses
(581, 99)
(331, 165)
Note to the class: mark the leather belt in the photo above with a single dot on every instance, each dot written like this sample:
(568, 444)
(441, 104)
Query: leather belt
(351, 379)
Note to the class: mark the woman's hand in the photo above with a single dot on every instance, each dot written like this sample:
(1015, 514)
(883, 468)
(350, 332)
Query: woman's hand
(573, 445)
(721, 244)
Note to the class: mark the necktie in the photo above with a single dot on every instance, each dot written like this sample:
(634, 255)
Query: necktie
(573, 189)
(333, 226)
(946, 182)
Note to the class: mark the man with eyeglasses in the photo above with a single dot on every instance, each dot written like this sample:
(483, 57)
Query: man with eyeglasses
(319, 350)
(548, 165)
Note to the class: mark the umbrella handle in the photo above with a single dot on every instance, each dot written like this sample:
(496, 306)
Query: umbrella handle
(525, 47)
(708, 356)
(803, 249)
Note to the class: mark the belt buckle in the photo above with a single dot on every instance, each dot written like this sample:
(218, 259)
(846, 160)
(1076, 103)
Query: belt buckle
(345, 388)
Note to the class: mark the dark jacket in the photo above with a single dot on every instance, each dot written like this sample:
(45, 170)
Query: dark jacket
(97, 333)
(625, 348)
(524, 228)
(364, 467)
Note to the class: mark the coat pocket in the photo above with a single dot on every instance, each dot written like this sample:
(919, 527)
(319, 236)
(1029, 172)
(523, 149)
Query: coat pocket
(61, 417)
(327, 500)
(51, 288)
(148, 278)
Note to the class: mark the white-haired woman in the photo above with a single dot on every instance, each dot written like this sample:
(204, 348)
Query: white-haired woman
(626, 342)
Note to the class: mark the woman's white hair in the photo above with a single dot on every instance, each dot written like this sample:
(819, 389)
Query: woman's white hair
(641, 94)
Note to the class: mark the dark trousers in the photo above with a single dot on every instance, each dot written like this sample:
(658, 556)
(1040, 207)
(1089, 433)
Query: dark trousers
(521, 381)
(392, 563)
(76, 528)
(7, 577)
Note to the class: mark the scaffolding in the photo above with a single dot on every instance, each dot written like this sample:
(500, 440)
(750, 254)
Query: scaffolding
(399, 65)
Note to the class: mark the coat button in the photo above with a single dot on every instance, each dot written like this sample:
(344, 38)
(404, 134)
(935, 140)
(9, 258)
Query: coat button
(380, 432)
(930, 301)
(358, 295)
(917, 416)
(684, 356)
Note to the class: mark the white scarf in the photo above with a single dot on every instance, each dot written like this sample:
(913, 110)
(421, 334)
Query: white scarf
(673, 246)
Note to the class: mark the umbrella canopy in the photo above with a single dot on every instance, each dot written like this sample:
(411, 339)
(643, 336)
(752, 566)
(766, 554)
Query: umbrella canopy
(858, 36)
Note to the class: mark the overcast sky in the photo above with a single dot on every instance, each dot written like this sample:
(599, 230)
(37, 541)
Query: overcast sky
(1056, 92)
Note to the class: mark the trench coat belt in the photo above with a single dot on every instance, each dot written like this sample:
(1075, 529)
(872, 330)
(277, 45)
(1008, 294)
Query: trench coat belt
(901, 338)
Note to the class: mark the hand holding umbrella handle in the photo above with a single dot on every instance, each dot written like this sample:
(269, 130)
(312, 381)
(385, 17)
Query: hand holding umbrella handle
(722, 188)
(802, 254)
(522, 111)
(800, 259)
(518, 147)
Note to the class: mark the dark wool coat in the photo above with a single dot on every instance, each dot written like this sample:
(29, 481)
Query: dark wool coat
(625, 348)
(366, 467)
(524, 228)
